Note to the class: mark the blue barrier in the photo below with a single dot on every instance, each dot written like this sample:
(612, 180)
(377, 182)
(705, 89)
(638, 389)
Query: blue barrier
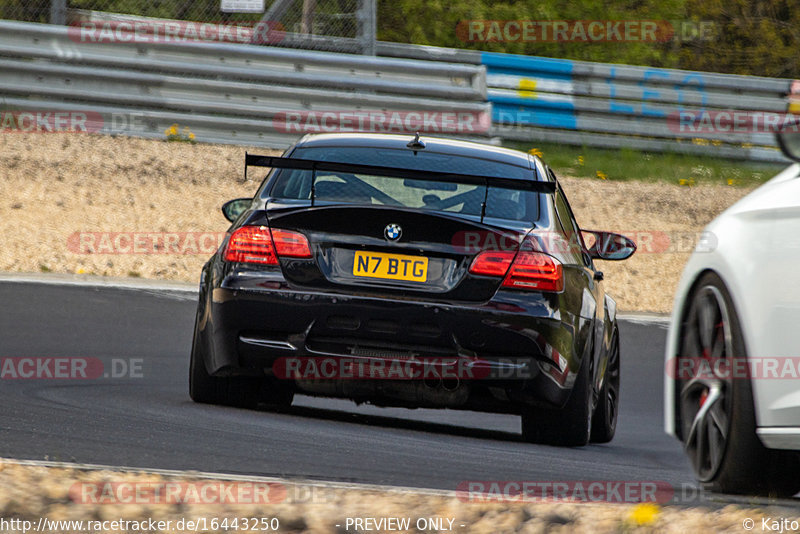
(526, 63)
(505, 114)
(536, 98)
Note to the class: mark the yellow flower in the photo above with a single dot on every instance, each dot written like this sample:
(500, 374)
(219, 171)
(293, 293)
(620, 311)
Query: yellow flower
(580, 161)
(644, 513)
(536, 152)
(732, 181)
(191, 136)
(80, 271)
(601, 175)
(687, 182)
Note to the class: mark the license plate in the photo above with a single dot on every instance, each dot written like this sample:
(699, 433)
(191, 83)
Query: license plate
(391, 266)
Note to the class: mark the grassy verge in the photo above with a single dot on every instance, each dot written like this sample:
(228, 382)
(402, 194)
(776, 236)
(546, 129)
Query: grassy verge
(628, 164)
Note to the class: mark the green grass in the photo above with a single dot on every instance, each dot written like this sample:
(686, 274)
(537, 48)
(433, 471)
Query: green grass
(628, 164)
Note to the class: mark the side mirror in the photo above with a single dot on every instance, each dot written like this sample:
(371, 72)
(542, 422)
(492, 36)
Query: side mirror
(788, 138)
(608, 245)
(233, 208)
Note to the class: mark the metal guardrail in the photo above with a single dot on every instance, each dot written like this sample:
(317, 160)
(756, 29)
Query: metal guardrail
(603, 105)
(242, 94)
(230, 93)
(542, 99)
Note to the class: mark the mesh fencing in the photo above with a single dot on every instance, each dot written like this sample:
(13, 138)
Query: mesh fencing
(336, 25)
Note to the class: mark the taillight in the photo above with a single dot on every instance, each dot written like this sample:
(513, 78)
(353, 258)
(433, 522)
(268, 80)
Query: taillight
(291, 244)
(524, 270)
(257, 244)
(492, 262)
(251, 244)
(536, 271)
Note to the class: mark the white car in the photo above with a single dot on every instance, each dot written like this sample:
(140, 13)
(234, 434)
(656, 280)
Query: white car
(732, 375)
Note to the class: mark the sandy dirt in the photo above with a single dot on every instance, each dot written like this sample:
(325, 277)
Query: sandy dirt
(34, 493)
(62, 195)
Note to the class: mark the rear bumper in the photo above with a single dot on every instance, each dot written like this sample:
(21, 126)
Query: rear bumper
(526, 350)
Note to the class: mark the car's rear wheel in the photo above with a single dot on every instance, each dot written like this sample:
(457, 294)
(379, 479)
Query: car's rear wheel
(570, 426)
(240, 392)
(604, 421)
(716, 410)
(237, 391)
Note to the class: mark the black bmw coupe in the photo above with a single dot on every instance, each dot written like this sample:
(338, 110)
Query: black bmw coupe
(415, 272)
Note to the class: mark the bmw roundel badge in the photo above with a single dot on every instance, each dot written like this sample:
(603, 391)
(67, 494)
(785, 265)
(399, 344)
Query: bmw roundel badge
(392, 232)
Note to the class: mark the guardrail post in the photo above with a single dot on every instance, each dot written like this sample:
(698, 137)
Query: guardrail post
(307, 22)
(58, 12)
(367, 26)
(274, 14)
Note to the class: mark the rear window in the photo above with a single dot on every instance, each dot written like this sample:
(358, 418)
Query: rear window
(348, 188)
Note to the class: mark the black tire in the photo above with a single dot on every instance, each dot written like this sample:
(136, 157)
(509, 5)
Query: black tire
(604, 420)
(236, 391)
(240, 392)
(276, 395)
(570, 426)
(721, 442)
(201, 386)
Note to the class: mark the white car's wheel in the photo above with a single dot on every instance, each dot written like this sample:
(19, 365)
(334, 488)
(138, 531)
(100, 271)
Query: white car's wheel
(716, 411)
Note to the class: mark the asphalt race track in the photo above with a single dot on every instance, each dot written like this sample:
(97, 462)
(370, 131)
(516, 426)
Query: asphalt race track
(149, 421)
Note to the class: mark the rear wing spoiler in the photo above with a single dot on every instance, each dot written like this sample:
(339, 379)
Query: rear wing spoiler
(254, 160)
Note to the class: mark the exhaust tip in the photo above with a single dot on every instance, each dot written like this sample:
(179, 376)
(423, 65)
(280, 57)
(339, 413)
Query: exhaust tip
(451, 384)
(431, 382)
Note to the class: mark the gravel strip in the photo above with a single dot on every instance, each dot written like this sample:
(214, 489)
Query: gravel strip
(28, 493)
